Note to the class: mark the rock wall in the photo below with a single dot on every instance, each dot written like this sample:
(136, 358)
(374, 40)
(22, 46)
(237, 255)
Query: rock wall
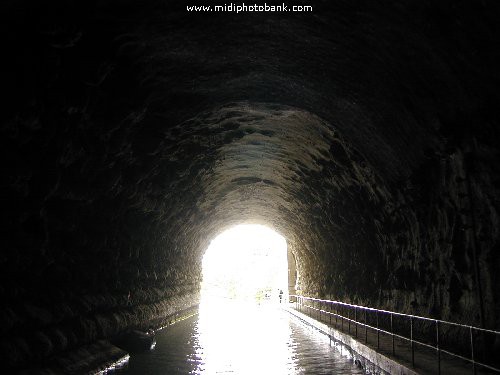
(365, 133)
(38, 329)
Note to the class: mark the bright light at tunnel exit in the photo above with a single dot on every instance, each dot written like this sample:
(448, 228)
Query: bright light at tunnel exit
(246, 262)
(244, 269)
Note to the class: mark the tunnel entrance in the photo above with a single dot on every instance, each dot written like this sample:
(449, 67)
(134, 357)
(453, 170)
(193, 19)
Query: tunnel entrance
(246, 263)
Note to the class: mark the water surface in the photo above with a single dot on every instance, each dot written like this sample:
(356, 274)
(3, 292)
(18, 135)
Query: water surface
(241, 338)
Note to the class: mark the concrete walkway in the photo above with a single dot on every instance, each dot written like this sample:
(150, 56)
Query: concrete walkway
(381, 353)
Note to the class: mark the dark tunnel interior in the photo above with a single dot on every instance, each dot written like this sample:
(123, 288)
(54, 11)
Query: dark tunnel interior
(366, 133)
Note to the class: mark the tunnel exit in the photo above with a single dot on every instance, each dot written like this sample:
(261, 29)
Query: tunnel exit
(246, 263)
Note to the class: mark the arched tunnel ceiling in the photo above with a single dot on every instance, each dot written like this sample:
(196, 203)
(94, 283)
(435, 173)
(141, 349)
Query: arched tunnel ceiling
(382, 82)
(271, 164)
(135, 134)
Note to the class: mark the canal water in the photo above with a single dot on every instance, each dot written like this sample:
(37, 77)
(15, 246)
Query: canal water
(230, 337)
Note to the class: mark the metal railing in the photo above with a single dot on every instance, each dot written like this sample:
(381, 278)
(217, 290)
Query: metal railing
(465, 342)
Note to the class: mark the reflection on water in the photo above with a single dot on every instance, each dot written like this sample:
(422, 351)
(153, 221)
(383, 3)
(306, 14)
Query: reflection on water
(244, 338)
(234, 337)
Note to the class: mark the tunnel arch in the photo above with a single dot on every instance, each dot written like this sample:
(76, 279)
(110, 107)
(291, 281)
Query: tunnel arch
(262, 166)
(366, 135)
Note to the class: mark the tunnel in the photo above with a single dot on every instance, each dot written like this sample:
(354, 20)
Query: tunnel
(366, 133)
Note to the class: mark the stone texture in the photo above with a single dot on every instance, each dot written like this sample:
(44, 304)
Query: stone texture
(365, 133)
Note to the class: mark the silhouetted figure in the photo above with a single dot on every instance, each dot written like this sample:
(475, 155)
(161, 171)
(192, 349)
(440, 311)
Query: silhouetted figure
(281, 295)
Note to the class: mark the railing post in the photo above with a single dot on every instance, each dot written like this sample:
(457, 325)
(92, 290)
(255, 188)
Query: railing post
(437, 347)
(366, 329)
(348, 319)
(411, 342)
(472, 350)
(336, 314)
(392, 334)
(342, 317)
(378, 333)
(330, 309)
(356, 321)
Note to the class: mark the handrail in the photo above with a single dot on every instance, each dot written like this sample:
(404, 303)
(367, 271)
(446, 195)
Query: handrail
(398, 313)
(439, 326)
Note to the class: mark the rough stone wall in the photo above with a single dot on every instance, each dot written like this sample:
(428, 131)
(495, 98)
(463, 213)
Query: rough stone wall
(37, 329)
(365, 133)
(439, 241)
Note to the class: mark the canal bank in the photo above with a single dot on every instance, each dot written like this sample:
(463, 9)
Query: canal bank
(380, 354)
(364, 356)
